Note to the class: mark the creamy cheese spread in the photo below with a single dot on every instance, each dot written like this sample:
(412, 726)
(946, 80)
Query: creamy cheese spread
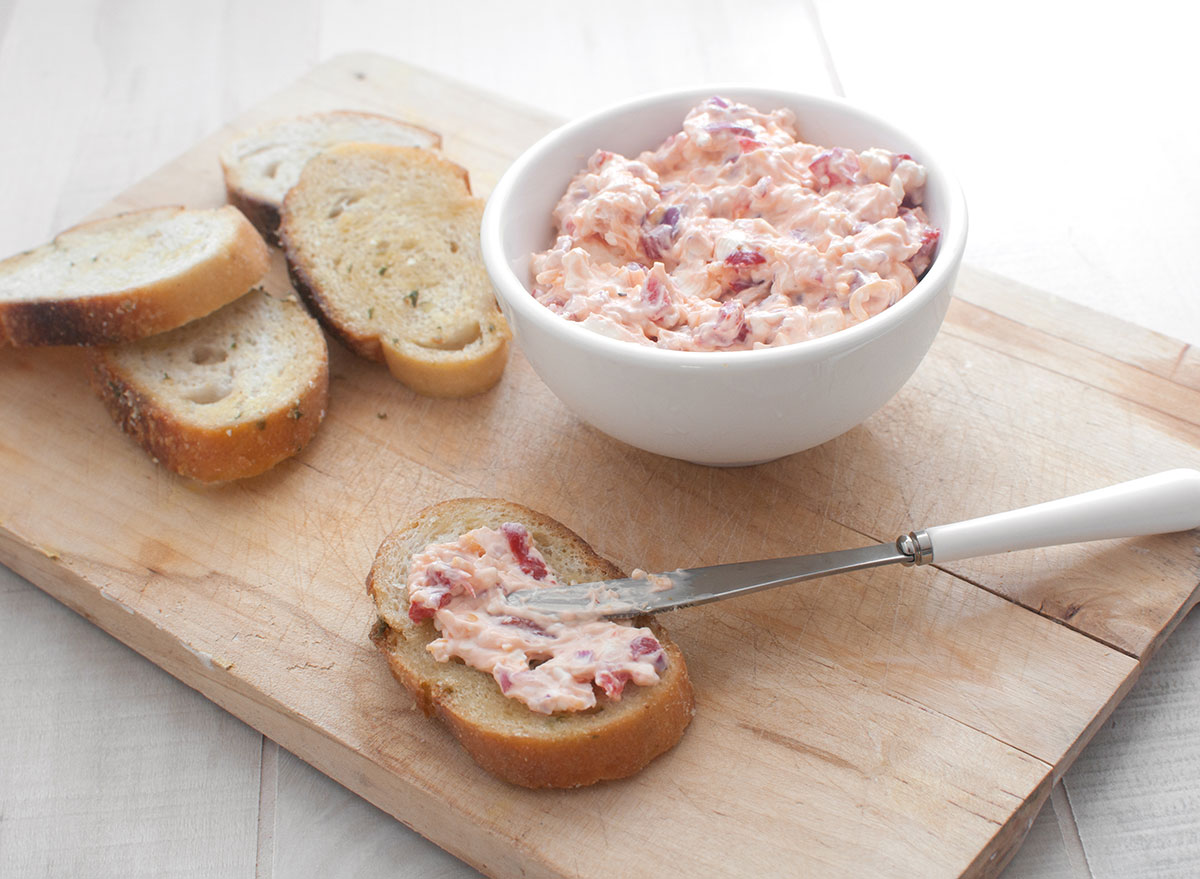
(549, 664)
(658, 582)
(735, 234)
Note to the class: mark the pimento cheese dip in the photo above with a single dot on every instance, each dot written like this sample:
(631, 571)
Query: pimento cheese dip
(546, 663)
(734, 234)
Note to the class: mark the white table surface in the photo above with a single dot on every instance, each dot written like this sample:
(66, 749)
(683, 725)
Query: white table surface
(1074, 134)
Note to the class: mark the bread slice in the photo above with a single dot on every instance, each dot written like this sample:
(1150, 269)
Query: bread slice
(225, 397)
(261, 166)
(127, 277)
(382, 243)
(613, 740)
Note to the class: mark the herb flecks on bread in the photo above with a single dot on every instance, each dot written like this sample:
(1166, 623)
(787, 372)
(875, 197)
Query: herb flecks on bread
(225, 397)
(127, 277)
(382, 243)
(613, 739)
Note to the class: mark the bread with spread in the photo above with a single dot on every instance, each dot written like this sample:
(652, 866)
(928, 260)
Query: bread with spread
(127, 277)
(224, 397)
(382, 243)
(436, 582)
(262, 165)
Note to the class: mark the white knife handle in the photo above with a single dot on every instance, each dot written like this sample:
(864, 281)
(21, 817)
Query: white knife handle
(1158, 504)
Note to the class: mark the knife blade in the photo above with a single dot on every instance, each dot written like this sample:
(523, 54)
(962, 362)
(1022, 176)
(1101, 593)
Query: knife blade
(685, 587)
(1158, 504)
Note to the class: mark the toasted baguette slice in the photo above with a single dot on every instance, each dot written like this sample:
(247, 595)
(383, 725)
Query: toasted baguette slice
(127, 277)
(261, 166)
(382, 243)
(225, 397)
(613, 740)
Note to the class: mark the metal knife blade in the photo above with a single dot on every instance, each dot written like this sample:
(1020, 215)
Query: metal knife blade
(689, 586)
(1157, 504)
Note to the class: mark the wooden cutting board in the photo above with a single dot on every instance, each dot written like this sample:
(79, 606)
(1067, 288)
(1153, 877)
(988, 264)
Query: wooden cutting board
(907, 722)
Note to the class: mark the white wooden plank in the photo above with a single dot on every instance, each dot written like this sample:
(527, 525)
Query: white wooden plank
(96, 96)
(40, 58)
(1135, 790)
(1066, 125)
(6, 11)
(322, 829)
(572, 58)
(109, 766)
(1043, 854)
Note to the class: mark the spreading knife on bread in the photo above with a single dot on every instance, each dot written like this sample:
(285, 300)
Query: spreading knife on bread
(537, 702)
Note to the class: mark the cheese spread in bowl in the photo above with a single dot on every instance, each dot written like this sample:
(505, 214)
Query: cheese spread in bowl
(735, 234)
(724, 359)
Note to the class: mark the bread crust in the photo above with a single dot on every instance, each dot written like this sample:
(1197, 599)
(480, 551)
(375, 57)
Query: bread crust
(263, 215)
(217, 452)
(503, 736)
(119, 316)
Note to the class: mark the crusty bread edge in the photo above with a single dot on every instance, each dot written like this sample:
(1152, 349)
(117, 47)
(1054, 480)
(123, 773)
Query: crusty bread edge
(210, 454)
(308, 290)
(451, 377)
(263, 215)
(132, 314)
(628, 745)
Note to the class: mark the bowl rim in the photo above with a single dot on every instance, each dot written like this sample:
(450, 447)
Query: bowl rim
(517, 295)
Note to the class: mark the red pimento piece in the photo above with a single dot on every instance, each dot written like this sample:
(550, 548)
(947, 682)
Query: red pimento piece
(613, 683)
(656, 242)
(921, 260)
(748, 143)
(650, 247)
(730, 325)
(527, 625)
(745, 258)
(420, 612)
(656, 299)
(518, 542)
(643, 646)
(834, 167)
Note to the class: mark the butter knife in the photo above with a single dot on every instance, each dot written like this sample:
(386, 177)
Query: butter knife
(1158, 504)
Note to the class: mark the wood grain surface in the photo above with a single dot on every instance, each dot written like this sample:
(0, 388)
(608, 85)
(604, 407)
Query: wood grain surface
(910, 721)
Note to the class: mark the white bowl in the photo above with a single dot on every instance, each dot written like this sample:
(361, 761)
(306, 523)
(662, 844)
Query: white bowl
(719, 408)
